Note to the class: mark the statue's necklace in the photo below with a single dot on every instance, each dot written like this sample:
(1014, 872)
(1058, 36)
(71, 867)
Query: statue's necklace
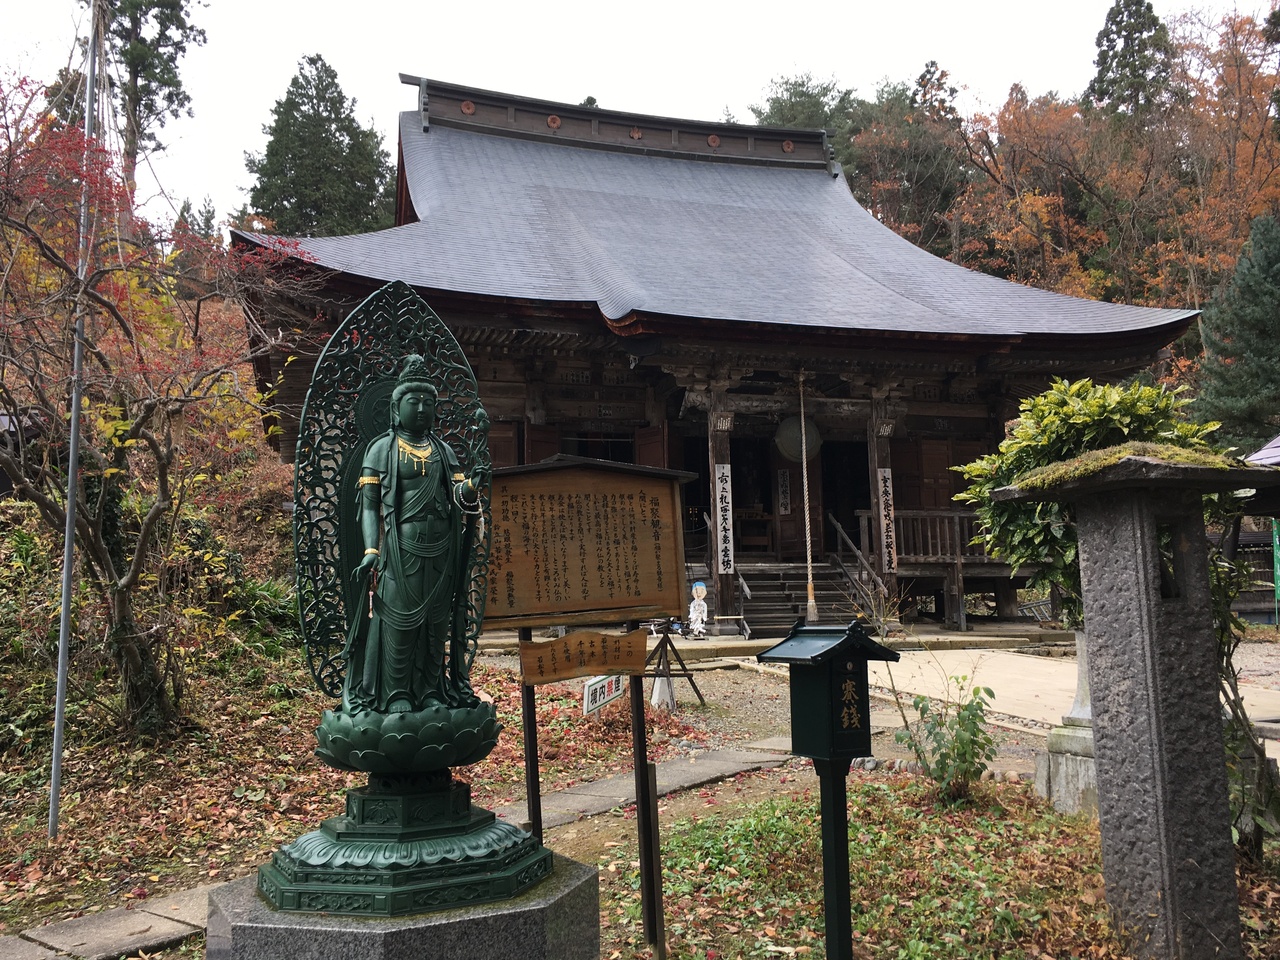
(417, 455)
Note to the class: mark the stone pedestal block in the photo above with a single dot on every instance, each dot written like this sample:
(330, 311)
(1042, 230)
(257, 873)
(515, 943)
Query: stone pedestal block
(559, 919)
(1066, 774)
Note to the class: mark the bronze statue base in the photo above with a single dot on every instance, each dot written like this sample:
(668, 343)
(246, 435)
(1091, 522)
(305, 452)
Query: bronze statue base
(406, 845)
(417, 742)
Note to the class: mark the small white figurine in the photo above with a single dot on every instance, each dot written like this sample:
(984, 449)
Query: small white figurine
(697, 626)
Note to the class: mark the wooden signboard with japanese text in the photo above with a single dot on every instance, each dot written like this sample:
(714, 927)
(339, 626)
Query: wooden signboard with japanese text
(583, 653)
(579, 541)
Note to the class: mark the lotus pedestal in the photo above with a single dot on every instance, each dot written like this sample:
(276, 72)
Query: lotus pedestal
(410, 841)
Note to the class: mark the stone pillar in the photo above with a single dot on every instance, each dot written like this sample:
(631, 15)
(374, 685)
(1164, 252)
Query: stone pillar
(1066, 774)
(1167, 856)
(1168, 860)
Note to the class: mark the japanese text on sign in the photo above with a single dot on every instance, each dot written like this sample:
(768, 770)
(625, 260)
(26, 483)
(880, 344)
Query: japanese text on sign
(569, 544)
(599, 691)
(583, 653)
(724, 518)
(884, 509)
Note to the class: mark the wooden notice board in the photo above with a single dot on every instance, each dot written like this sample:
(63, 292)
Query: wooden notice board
(583, 653)
(579, 541)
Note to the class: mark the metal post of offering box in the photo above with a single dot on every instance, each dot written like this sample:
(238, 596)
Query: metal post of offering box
(831, 724)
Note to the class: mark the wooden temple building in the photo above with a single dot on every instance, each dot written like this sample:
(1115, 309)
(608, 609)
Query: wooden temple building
(670, 293)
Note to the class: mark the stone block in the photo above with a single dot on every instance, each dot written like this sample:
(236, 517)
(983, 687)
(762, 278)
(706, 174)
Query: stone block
(110, 934)
(15, 948)
(1068, 780)
(559, 919)
(185, 906)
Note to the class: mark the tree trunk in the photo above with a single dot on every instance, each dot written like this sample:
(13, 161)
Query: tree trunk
(150, 710)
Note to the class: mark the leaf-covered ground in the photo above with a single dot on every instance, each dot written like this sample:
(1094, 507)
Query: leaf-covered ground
(142, 821)
(1004, 877)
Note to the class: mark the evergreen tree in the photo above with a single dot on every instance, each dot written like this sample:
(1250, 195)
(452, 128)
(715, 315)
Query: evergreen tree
(801, 101)
(1135, 60)
(146, 39)
(1240, 373)
(322, 173)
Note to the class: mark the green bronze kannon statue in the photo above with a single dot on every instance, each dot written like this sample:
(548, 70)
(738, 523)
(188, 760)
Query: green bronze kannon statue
(417, 512)
(391, 489)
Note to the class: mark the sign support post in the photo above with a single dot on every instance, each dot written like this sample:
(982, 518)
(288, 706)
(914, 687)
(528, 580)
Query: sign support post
(529, 719)
(647, 824)
(836, 899)
(1275, 568)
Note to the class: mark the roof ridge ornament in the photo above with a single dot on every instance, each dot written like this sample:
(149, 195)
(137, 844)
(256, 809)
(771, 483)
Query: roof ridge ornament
(423, 102)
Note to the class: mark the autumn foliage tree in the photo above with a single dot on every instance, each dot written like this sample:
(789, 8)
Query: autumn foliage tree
(1139, 189)
(161, 392)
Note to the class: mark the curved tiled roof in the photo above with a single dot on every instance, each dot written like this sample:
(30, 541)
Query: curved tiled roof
(639, 232)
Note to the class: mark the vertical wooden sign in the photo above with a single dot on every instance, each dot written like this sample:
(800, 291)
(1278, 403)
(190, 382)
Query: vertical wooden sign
(884, 511)
(724, 518)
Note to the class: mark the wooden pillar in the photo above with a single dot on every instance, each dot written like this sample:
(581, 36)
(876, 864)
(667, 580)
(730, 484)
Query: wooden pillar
(719, 428)
(1006, 600)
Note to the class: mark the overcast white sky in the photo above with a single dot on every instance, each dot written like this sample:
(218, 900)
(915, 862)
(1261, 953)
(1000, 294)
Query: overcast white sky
(688, 59)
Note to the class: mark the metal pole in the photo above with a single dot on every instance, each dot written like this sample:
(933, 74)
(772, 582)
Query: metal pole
(836, 898)
(532, 779)
(73, 451)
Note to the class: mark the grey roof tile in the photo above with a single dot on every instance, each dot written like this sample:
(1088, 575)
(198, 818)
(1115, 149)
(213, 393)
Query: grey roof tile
(509, 217)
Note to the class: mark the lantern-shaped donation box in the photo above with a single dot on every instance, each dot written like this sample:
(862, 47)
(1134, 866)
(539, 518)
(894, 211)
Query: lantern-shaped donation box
(830, 713)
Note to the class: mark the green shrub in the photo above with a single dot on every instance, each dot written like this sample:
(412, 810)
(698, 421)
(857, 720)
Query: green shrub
(953, 742)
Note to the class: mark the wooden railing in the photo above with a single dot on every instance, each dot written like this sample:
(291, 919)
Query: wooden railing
(931, 536)
(869, 589)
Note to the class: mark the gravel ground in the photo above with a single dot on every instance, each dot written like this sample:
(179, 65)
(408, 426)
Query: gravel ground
(745, 704)
(1259, 663)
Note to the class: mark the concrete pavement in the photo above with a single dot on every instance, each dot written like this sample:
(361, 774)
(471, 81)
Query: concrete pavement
(1028, 687)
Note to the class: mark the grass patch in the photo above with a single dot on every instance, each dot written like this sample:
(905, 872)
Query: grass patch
(1004, 876)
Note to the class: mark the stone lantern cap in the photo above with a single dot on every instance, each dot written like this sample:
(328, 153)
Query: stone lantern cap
(1135, 466)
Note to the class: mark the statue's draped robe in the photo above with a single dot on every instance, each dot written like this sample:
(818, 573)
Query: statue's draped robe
(395, 657)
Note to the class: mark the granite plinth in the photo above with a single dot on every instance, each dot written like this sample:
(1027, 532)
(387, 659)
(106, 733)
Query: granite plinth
(1066, 774)
(559, 919)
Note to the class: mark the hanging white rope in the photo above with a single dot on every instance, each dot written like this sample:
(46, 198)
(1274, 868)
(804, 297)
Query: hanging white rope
(811, 613)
